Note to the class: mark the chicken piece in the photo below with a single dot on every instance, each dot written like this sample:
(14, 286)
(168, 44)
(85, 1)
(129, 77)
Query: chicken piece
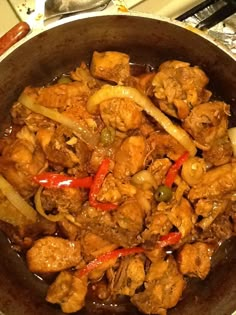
(220, 230)
(113, 190)
(163, 288)
(53, 254)
(44, 137)
(220, 152)
(129, 276)
(159, 169)
(122, 114)
(129, 216)
(105, 226)
(145, 199)
(66, 200)
(194, 259)
(110, 65)
(100, 153)
(182, 217)
(181, 190)
(142, 82)
(69, 291)
(178, 87)
(156, 254)
(162, 144)
(19, 113)
(215, 183)
(21, 160)
(129, 158)
(145, 83)
(82, 74)
(157, 224)
(23, 236)
(69, 230)
(63, 149)
(93, 245)
(36, 121)
(207, 122)
(60, 95)
(210, 210)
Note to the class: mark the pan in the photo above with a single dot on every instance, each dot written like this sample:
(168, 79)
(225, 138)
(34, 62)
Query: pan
(149, 40)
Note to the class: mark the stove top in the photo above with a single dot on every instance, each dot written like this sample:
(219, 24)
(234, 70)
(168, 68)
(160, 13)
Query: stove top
(170, 8)
(13, 11)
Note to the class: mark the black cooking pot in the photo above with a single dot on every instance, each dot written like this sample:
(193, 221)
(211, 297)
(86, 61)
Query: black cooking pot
(148, 40)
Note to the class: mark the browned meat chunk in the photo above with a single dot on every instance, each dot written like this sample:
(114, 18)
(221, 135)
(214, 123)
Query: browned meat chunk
(56, 147)
(60, 95)
(52, 254)
(114, 190)
(156, 224)
(82, 74)
(182, 216)
(178, 87)
(129, 276)
(93, 245)
(130, 157)
(162, 144)
(208, 122)
(69, 230)
(210, 209)
(121, 114)
(163, 288)
(63, 200)
(194, 260)
(215, 183)
(159, 169)
(105, 226)
(68, 291)
(110, 65)
(130, 216)
(21, 160)
(63, 149)
(19, 113)
(19, 231)
(220, 230)
(219, 153)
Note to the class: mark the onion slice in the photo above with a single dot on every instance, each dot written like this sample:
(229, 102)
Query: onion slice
(108, 92)
(39, 208)
(18, 202)
(83, 133)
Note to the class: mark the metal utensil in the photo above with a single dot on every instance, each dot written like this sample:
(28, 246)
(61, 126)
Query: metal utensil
(222, 10)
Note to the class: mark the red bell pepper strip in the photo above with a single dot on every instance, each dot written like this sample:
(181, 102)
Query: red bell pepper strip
(171, 238)
(173, 170)
(96, 186)
(106, 257)
(51, 180)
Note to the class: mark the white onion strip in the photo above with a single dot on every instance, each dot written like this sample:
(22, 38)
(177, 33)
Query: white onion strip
(108, 92)
(16, 200)
(83, 133)
(39, 208)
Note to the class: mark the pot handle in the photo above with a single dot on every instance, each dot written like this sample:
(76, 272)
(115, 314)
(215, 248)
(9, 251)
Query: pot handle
(16, 33)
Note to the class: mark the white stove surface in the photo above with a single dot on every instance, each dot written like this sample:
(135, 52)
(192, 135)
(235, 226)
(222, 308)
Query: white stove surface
(13, 11)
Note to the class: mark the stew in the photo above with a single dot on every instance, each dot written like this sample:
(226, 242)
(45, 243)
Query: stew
(119, 179)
